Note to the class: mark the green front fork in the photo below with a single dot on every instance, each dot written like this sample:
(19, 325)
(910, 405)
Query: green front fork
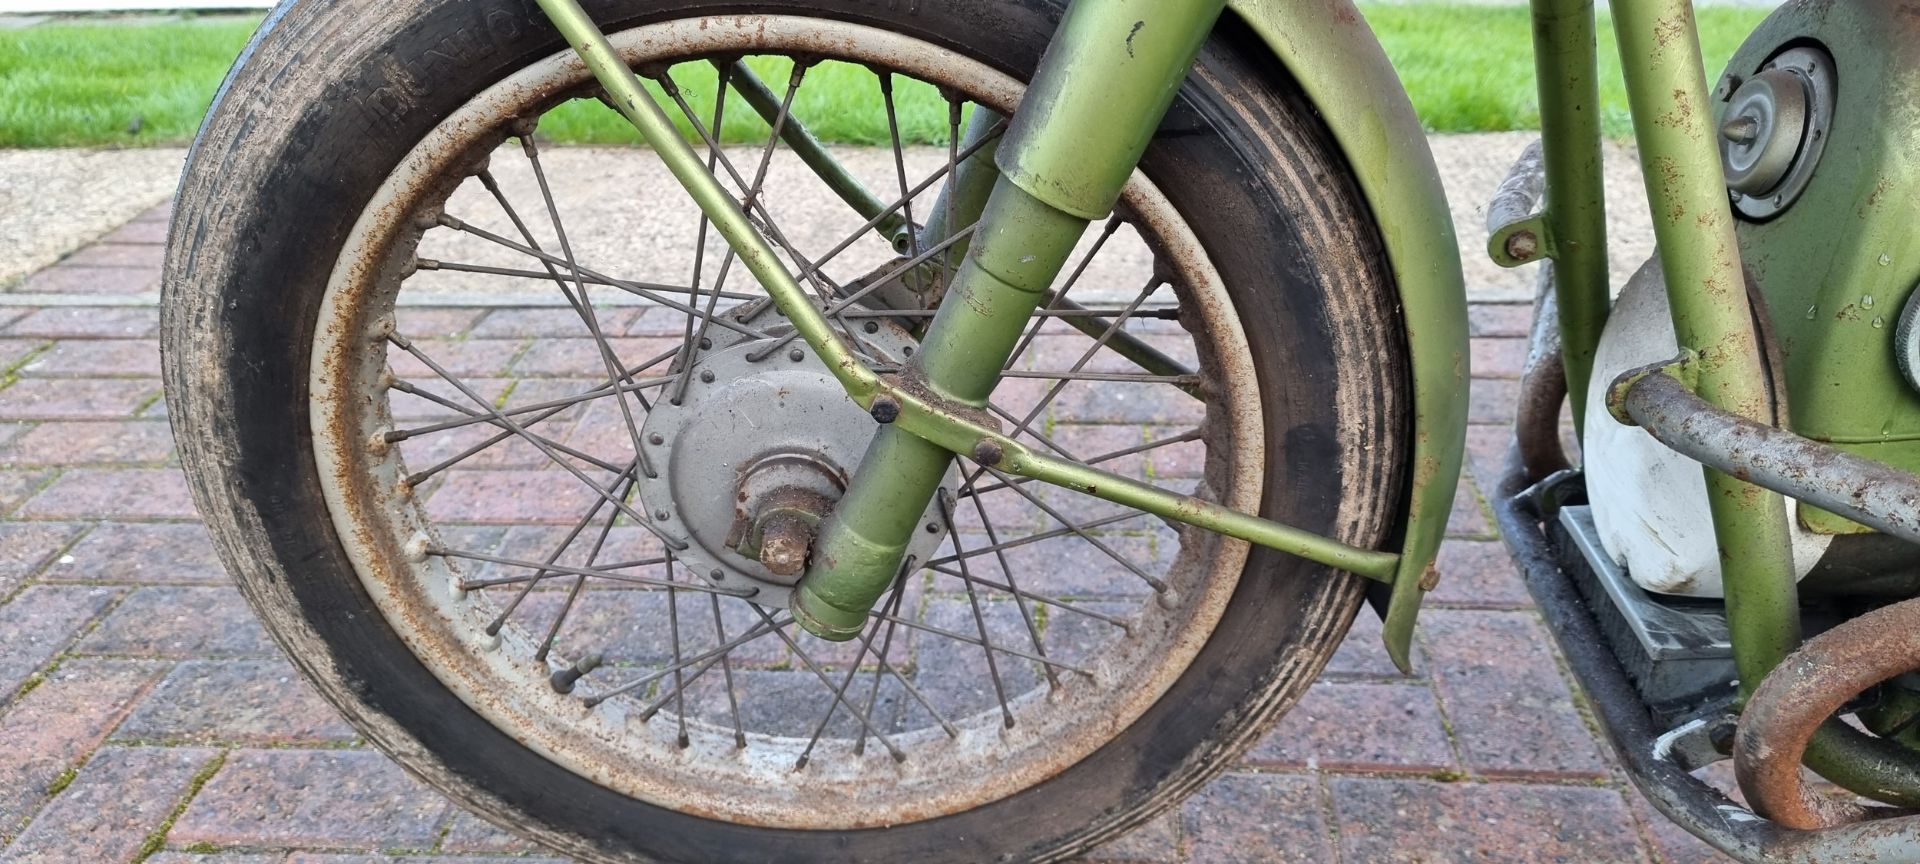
(1063, 163)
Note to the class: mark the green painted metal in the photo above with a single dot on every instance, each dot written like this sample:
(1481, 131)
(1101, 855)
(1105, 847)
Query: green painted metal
(1333, 55)
(1020, 245)
(1713, 318)
(1566, 65)
(624, 91)
(1693, 224)
(964, 195)
(795, 134)
(1837, 267)
(1328, 49)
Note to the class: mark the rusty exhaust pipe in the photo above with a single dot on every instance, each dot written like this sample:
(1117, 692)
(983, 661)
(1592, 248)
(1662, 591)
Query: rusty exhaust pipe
(1802, 693)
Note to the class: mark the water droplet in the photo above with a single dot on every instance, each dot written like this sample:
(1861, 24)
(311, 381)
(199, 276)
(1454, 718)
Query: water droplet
(1885, 259)
(1866, 302)
(1879, 322)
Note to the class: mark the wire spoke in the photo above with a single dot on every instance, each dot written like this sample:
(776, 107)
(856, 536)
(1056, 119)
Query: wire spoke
(900, 163)
(546, 409)
(1013, 587)
(979, 620)
(479, 417)
(596, 573)
(1041, 537)
(1159, 585)
(698, 336)
(580, 581)
(679, 681)
(408, 346)
(540, 276)
(769, 625)
(838, 695)
(726, 669)
(840, 306)
(629, 287)
(584, 304)
(962, 637)
(493, 629)
(1055, 602)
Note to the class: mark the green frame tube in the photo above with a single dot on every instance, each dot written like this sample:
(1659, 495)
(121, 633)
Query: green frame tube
(1066, 156)
(1712, 316)
(944, 425)
(1566, 66)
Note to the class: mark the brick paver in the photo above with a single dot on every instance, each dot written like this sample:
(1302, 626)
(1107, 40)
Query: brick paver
(142, 709)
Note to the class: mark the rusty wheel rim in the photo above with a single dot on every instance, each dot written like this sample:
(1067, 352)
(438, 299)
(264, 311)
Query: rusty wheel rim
(627, 725)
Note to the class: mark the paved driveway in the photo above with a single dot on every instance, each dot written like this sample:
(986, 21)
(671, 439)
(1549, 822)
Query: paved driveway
(145, 714)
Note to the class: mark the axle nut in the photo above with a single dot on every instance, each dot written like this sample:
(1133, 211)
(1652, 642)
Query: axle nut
(886, 409)
(988, 452)
(783, 544)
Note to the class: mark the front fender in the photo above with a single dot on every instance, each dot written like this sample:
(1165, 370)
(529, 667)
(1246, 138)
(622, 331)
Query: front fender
(1327, 47)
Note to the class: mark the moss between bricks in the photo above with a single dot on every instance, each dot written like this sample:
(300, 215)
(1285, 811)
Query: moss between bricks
(158, 839)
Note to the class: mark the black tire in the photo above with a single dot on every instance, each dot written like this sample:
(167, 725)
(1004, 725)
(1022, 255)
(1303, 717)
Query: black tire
(293, 150)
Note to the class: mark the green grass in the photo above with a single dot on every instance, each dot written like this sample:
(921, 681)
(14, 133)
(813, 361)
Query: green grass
(1470, 69)
(104, 83)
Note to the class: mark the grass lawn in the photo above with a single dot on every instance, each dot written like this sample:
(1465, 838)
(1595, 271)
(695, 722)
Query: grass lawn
(94, 83)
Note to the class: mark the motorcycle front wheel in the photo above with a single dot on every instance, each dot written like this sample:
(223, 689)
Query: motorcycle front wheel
(447, 395)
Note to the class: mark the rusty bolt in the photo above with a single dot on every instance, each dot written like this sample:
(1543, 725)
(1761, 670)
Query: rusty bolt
(988, 452)
(796, 355)
(886, 409)
(1523, 245)
(784, 539)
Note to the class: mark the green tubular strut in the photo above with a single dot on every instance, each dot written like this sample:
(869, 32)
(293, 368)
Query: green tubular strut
(1566, 63)
(1693, 223)
(795, 134)
(1063, 163)
(936, 421)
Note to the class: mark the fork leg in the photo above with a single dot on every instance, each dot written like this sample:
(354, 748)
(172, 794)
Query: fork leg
(1101, 91)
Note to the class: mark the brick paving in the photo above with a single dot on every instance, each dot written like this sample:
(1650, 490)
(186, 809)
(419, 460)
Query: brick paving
(144, 715)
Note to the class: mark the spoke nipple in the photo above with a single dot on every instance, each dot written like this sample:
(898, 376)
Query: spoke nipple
(886, 409)
(522, 127)
(457, 589)
(1007, 721)
(425, 264)
(801, 763)
(739, 741)
(417, 548)
(988, 452)
(900, 757)
(684, 741)
(706, 376)
(796, 355)
(1168, 599)
(656, 439)
(379, 444)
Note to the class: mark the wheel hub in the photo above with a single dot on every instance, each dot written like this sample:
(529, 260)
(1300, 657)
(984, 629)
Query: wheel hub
(755, 455)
